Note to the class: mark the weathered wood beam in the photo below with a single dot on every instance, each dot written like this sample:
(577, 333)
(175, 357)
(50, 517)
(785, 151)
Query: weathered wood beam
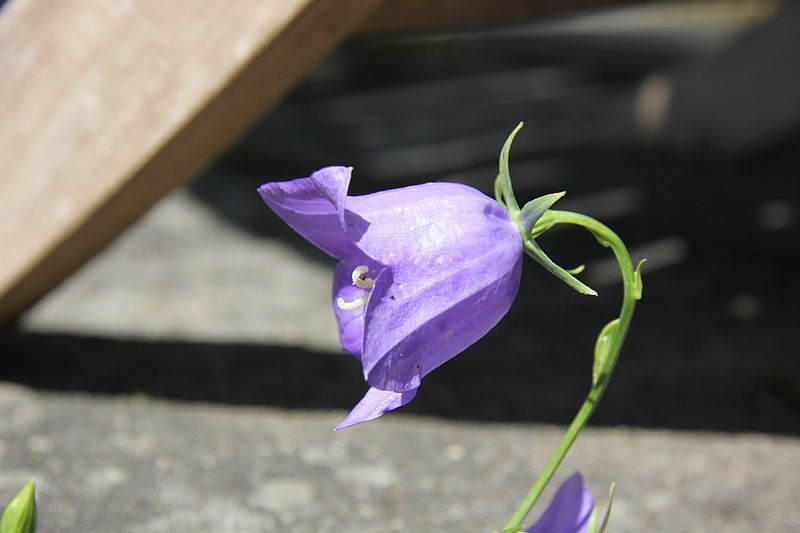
(107, 106)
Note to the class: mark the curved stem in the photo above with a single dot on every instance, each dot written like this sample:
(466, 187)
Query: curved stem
(630, 294)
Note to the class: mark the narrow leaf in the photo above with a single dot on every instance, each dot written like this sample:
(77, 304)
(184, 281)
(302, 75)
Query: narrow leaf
(533, 250)
(503, 189)
(533, 210)
(604, 525)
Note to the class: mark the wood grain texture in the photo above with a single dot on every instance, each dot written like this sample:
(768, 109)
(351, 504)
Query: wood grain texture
(107, 106)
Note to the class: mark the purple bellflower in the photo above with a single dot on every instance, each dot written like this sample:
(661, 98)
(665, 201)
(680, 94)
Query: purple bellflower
(424, 272)
(570, 511)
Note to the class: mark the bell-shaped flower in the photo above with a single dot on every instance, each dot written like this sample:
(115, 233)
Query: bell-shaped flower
(424, 272)
(570, 511)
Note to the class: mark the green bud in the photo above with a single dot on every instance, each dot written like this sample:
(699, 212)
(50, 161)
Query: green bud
(602, 350)
(20, 515)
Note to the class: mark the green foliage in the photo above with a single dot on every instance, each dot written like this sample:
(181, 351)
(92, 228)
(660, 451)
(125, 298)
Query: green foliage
(531, 219)
(602, 351)
(535, 218)
(20, 515)
(607, 517)
(503, 190)
(533, 211)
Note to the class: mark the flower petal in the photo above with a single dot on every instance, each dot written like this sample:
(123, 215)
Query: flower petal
(315, 208)
(397, 220)
(455, 257)
(569, 511)
(374, 404)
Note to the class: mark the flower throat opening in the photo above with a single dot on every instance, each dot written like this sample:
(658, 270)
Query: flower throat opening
(360, 280)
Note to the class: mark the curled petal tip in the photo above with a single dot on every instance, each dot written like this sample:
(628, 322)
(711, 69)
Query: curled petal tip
(374, 404)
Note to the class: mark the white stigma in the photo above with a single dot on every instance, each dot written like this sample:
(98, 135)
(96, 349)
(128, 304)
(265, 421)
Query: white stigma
(359, 280)
(349, 305)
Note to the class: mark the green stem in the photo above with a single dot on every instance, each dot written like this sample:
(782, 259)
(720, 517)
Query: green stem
(630, 294)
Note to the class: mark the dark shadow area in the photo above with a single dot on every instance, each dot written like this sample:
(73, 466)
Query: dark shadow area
(727, 363)
(747, 208)
(405, 111)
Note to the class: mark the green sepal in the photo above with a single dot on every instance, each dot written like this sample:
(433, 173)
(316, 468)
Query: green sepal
(637, 280)
(530, 219)
(607, 517)
(593, 527)
(533, 211)
(20, 515)
(577, 270)
(503, 190)
(602, 350)
(534, 251)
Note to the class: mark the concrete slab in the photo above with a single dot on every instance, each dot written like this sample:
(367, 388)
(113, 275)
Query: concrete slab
(135, 464)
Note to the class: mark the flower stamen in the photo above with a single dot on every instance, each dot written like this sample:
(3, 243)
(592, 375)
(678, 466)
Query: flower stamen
(360, 279)
(349, 305)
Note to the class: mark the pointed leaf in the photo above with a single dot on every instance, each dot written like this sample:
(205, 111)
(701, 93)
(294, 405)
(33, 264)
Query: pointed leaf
(533, 250)
(503, 189)
(533, 210)
(20, 515)
(607, 517)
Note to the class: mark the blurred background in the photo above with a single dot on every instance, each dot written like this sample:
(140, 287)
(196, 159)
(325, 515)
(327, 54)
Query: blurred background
(189, 376)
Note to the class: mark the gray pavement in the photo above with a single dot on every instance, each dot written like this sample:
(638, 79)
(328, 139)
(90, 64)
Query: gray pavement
(141, 465)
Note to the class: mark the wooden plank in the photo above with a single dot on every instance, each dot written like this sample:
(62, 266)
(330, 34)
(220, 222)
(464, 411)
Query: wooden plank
(107, 106)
